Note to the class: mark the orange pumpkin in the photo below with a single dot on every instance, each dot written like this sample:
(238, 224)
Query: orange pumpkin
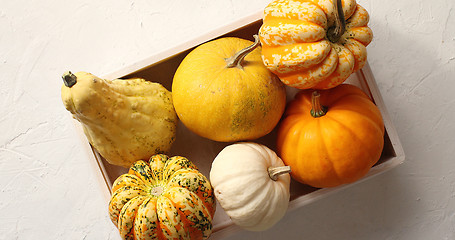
(330, 137)
(314, 43)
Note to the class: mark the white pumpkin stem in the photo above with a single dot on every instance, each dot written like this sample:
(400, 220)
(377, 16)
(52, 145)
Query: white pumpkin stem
(275, 172)
(334, 33)
(69, 79)
(236, 60)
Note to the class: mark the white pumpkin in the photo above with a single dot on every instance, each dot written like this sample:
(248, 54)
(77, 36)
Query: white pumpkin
(251, 183)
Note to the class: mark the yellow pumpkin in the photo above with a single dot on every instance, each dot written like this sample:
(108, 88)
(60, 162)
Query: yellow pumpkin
(314, 43)
(123, 119)
(222, 91)
(330, 137)
(166, 198)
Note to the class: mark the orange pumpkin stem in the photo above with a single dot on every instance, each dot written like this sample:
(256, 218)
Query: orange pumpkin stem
(236, 60)
(317, 110)
(275, 172)
(335, 32)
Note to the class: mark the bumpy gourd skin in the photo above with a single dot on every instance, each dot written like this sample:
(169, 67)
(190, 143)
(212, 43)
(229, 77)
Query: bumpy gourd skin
(124, 120)
(296, 47)
(166, 198)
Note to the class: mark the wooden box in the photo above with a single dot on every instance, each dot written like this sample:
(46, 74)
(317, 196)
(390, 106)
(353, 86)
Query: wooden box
(161, 68)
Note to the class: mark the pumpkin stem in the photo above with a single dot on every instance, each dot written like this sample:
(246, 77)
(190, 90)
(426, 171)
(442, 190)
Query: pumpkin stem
(69, 79)
(275, 172)
(317, 110)
(334, 32)
(236, 60)
(157, 190)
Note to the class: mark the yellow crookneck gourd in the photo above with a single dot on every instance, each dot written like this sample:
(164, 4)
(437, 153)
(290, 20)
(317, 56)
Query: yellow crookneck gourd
(124, 120)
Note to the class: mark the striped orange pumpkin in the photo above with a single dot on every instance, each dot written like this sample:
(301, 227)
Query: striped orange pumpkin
(298, 48)
(166, 198)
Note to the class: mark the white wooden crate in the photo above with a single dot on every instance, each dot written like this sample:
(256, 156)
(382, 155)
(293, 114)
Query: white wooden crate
(161, 68)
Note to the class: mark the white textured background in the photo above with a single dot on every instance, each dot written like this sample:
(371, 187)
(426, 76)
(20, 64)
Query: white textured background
(49, 189)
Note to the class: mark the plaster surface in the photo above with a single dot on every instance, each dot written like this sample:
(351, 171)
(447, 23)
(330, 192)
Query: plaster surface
(49, 189)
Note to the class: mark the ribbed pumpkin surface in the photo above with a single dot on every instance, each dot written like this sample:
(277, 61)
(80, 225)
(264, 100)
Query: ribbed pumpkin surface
(167, 198)
(336, 148)
(295, 45)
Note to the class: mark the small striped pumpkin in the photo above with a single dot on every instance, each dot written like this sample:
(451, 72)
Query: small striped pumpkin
(297, 42)
(166, 198)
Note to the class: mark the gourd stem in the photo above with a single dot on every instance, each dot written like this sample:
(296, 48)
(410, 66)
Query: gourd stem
(275, 172)
(334, 32)
(69, 79)
(317, 110)
(236, 60)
